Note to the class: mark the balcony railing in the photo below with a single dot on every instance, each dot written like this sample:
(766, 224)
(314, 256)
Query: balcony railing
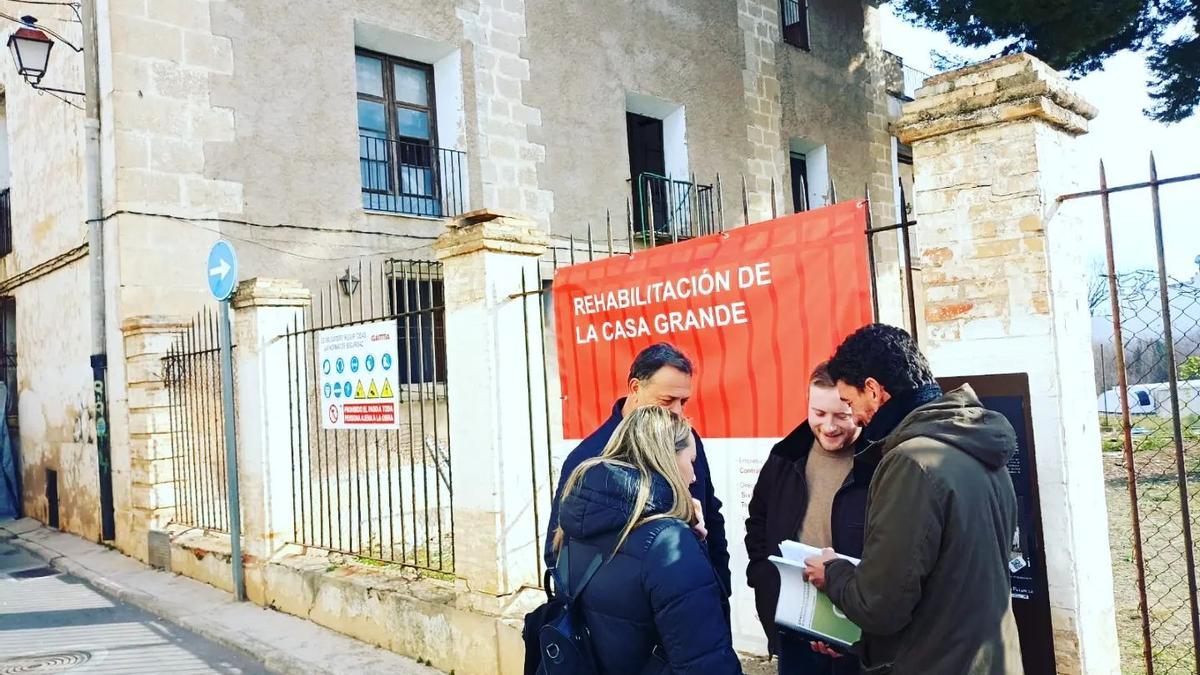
(913, 80)
(6, 238)
(903, 80)
(411, 178)
(673, 209)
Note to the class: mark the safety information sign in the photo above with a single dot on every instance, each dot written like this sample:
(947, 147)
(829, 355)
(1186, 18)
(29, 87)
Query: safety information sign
(359, 385)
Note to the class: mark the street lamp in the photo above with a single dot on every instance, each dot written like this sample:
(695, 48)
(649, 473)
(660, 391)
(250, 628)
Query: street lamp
(30, 46)
(348, 282)
(31, 50)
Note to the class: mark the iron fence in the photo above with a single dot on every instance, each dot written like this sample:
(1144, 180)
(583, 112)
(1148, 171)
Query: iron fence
(1152, 417)
(382, 494)
(192, 375)
(411, 178)
(908, 297)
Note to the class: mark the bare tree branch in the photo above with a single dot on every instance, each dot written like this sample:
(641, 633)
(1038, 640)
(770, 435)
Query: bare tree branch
(1097, 286)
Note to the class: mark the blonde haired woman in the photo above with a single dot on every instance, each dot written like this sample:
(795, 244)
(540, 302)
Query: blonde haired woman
(655, 604)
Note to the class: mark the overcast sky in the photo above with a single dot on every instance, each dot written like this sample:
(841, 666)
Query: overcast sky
(1123, 137)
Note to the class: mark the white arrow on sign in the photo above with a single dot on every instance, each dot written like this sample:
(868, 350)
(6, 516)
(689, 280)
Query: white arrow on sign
(220, 270)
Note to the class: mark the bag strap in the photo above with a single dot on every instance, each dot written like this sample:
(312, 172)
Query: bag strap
(590, 572)
(562, 572)
(564, 568)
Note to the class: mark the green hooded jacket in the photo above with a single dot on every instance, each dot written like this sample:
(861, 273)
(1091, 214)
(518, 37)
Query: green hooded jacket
(932, 594)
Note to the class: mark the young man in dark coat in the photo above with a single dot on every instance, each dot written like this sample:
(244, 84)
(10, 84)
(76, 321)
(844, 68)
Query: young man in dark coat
(661, 375)
(932, 594)
(813, 489)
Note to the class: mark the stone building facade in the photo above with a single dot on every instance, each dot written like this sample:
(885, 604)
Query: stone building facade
(263, 122)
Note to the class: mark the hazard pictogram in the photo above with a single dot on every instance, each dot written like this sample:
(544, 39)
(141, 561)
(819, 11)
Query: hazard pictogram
(387, 390)
(373, 392)
(359, 392)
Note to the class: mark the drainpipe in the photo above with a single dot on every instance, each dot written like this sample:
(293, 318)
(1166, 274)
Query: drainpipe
(95, 215)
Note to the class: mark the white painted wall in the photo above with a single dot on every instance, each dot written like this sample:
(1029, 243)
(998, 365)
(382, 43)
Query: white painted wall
(448, 85)
(675, 153)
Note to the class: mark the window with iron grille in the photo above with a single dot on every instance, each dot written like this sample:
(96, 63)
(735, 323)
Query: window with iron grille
(403, 170)
(795, 23)
(417, 298)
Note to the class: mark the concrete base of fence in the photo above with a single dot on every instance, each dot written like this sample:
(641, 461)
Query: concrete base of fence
(438, 621)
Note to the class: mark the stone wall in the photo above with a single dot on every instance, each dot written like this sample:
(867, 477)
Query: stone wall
(766, 163)
(240, 129)
(507, 158)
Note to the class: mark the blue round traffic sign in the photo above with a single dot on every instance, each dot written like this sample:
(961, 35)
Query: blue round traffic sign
(221, 270)
(325, 367)
(354, 364)
(387, 361)
(337, 390)
(328, 390)
(341, 366)
(370, 362)
(347, 390)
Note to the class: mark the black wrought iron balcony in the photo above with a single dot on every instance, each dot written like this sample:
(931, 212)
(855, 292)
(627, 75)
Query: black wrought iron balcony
(672, 209)
(411, 178)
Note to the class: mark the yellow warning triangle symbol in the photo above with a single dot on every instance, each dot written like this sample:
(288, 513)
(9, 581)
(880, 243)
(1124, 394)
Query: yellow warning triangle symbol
(387, 390)
(372, 392)
(358, 391)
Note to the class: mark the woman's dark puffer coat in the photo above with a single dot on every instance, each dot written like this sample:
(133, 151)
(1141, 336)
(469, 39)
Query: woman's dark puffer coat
(659, 590)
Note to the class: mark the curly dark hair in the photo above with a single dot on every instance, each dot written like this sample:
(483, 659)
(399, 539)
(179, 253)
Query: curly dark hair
(885, 353)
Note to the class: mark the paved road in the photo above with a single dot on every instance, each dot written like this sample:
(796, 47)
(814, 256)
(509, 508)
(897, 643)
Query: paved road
(55, 623)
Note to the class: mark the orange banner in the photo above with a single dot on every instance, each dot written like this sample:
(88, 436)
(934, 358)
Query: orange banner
(755, 308)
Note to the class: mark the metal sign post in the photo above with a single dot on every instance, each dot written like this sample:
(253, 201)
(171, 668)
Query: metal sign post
(222, 278)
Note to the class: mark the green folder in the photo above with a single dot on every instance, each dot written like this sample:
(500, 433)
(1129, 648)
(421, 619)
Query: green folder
(802, 607)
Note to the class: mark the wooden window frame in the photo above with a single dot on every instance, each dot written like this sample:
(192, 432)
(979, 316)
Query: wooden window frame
(795, 33)
(389, 103)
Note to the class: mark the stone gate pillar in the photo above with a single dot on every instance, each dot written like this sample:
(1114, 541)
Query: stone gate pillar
(484, 256)
(151, 455)
(1004, 291)
(264, 310)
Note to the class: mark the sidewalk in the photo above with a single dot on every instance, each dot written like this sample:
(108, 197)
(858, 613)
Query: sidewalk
(283, 643)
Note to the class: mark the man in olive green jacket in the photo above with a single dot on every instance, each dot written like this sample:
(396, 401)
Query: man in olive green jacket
(932, 594)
